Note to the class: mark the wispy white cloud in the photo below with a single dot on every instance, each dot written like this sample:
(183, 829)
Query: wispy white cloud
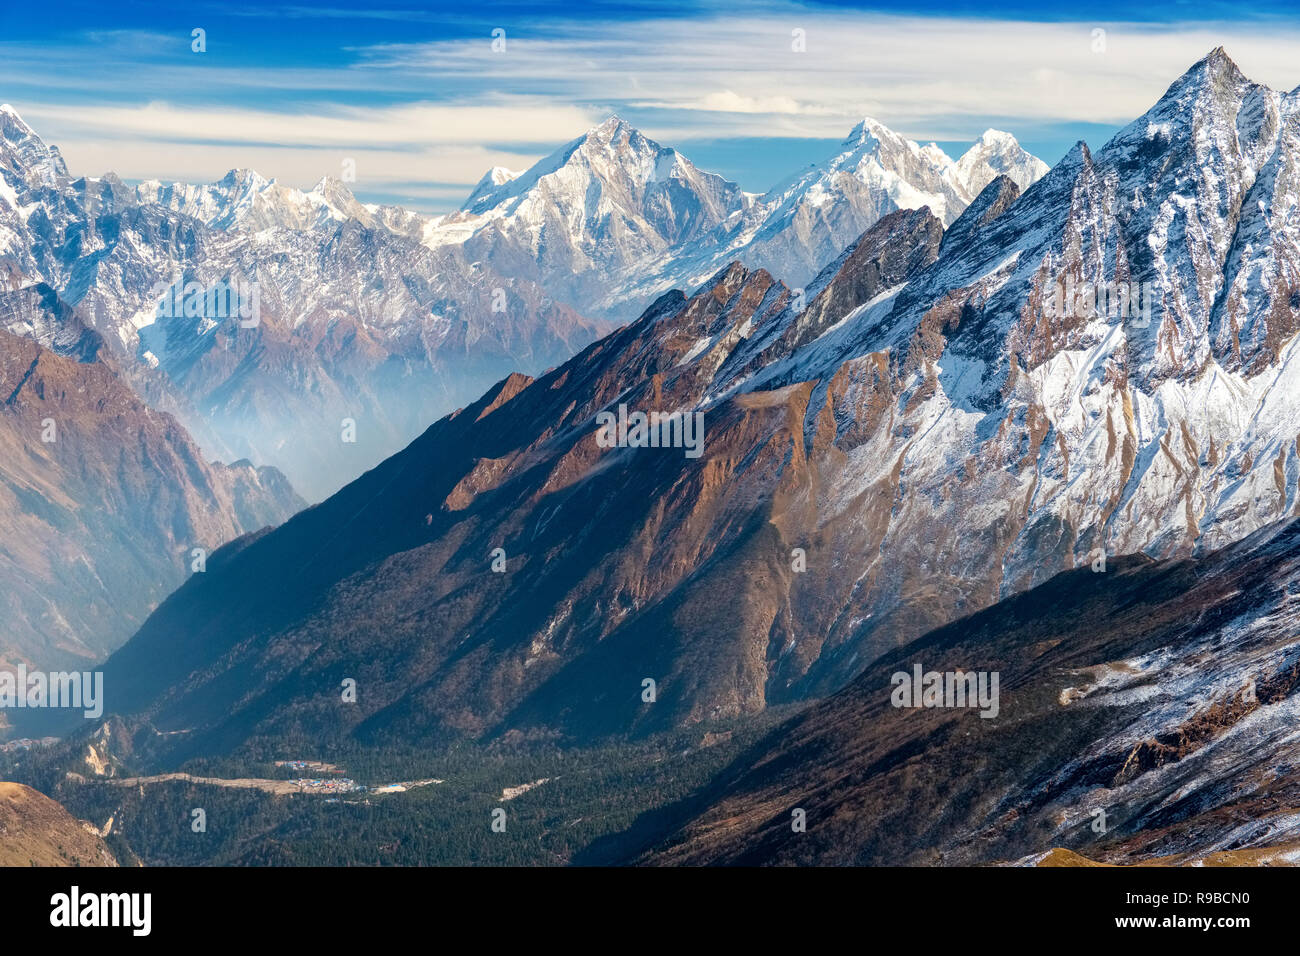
(433, 178)
(443, 111)
(513, 120)
(397, 151)
(932, 75)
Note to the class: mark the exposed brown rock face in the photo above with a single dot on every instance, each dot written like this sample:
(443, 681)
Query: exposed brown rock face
(36, 831)
(101, 502)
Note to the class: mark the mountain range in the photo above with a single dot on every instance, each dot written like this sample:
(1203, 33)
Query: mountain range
(918, 433)
(391, 318)
(355, 319)
(901, 416)
(613, 219)
(350, 326)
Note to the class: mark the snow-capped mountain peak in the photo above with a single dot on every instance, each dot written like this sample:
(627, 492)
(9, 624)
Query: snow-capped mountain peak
(245, 198)
(613, 218)
(609, 130)
(492, 180)
(614, 157)
(806, 221)
(997, 153)
(498, 175)
(592, 214)
(245, 180)
(337, 201)
(869, 132)
(899, 173)
(872, 140)
(25, 154)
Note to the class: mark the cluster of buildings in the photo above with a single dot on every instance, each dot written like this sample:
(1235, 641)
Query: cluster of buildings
(327, 785)
(338, 785)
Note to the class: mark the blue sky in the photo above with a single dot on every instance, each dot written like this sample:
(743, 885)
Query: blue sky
(415, 95)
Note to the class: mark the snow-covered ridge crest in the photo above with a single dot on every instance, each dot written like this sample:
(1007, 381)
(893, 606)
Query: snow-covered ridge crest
(245, 199)
(347, 294)
(1165, 432)
(612, 219)
(626, 219)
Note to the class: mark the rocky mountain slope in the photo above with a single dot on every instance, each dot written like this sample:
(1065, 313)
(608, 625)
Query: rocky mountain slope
(36, 831)
(339, 312)
(102, 501)
(603, 549)
(1146, 714)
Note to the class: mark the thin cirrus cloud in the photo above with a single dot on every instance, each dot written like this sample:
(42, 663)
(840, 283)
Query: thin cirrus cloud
(932, 77)
(425, 119)
(420, 154)
(359, 128)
